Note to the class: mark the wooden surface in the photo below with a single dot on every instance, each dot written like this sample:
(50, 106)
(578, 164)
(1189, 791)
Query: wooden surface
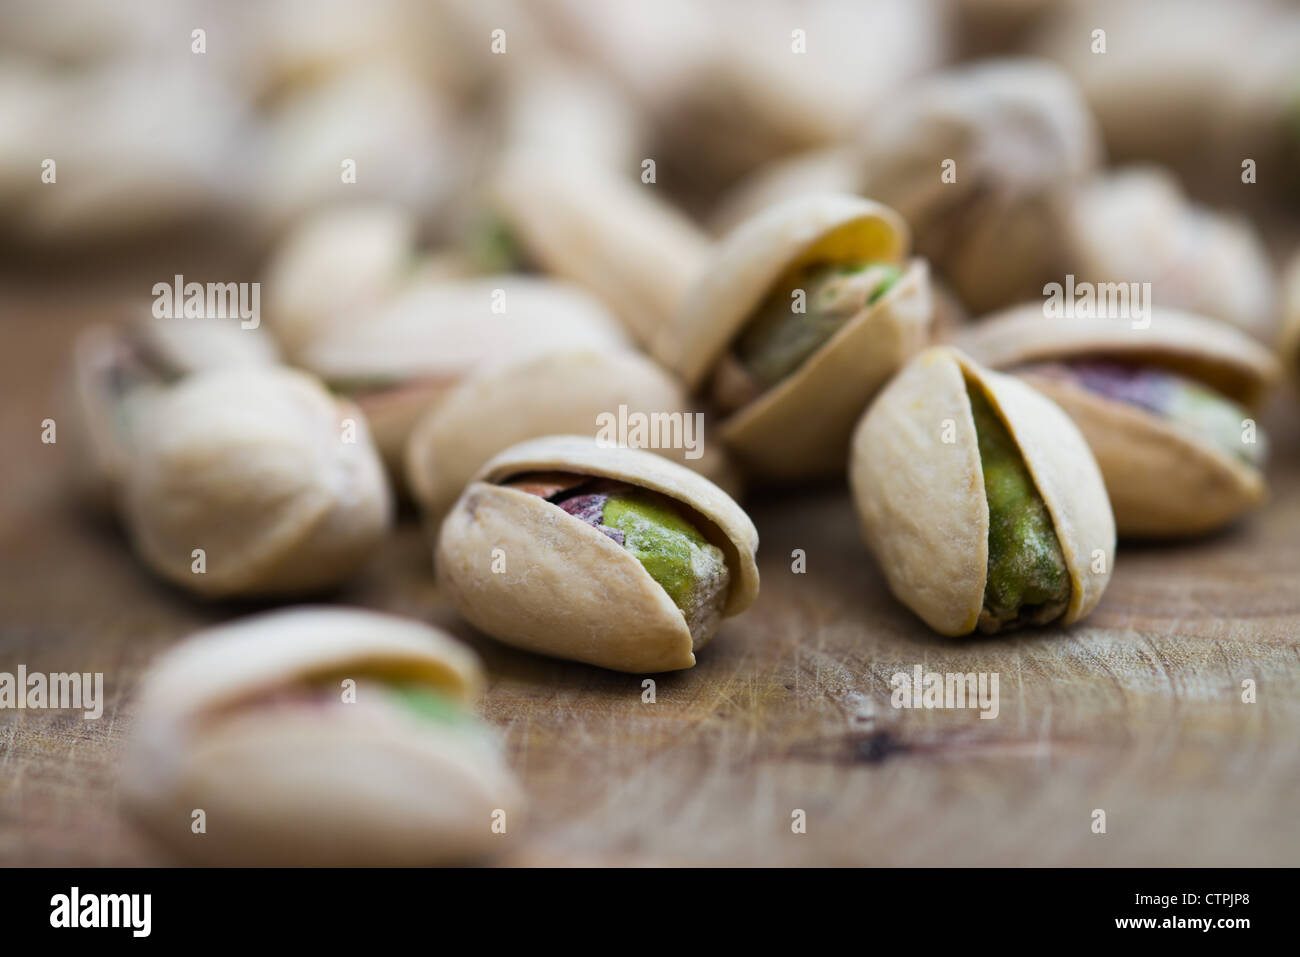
(1137, 711)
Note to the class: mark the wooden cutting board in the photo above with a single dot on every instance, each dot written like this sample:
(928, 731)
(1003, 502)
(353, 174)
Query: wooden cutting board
(1137, 712)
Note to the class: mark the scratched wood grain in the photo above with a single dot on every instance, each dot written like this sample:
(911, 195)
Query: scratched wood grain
(1137, 712)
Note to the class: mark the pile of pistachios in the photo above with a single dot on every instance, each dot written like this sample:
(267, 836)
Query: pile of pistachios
(564, 281)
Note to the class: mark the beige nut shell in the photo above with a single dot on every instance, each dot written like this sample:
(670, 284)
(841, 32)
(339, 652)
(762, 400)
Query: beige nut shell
(559, 393)
(360, 784)
(800, 427)
(1208, 350)
(1164, 480)
(922, 503)
(253, 467)
(568, 590)
(749, 261)
(614, 238)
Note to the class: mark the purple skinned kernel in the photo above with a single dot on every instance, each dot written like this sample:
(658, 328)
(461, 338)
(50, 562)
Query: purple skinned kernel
(590, 508)
(1149, 389)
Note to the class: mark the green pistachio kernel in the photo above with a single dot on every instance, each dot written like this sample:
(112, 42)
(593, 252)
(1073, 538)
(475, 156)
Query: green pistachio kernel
(1217, 419)
(1027, 580)
(686, 565)
(428, 704)
(492, 247)
(780, 339)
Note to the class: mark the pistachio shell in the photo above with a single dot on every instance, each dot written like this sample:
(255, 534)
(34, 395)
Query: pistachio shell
(403, 358)
(310, 782)
(1164, 480)
(227, 663)
(1136, 225)
(253, 466)
(922, 502)
(439, 330)
(559, 393)
(1208, 350)
(801, 426)
(111, 368)
(830, 170)
(409, 153)
(567, 589)
(1018, 136)
(611, 237)
(757, 254)
(334, 265)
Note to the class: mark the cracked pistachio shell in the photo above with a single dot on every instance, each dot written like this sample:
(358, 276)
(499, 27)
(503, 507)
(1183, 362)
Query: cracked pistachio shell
(1163, 479)
(615, 239)
(267, 472)
(568, 590)
(1020, 136)
(111, 368)
(398, 361)
(800, 427)
(560, 393)
(242, 720)
(334, 264)
(1136, 225)
(922, 502)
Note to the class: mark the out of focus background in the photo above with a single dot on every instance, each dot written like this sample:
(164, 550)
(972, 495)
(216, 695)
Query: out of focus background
(608, 145)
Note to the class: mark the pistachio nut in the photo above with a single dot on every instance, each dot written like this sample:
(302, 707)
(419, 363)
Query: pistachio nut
(559, 111)
(835, 169)
(113, 369)
(1165, 408)
(337, 266)
(137, 178)
(1158, 92)
(980, 499)
(408, 153)
(633, 252)
(979, 160)
(612, 556)
(557, 393)
(731, 105)
(317, 736)
(802, 314)
(400, 359)
(1136, 225)
(253, 482)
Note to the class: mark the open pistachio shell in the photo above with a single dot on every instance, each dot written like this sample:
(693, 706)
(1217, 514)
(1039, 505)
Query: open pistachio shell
(1208, 350)
(336, 265)
(1164, 479)
(112, 371)
(249, 722)
(560, 393)
(614, 238)
(1136, 225)
(275, 480)
(979, 160)
(800, 426)
(919, 488)
(399, 360)
(526, 572)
